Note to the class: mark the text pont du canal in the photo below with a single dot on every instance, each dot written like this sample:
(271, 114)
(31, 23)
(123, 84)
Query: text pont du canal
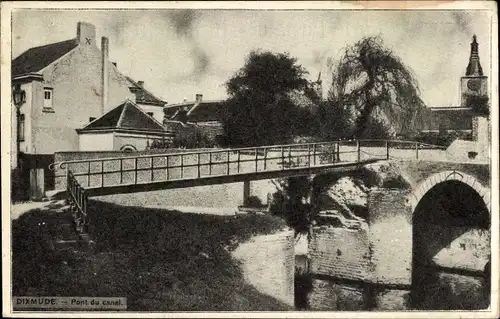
(70, 302)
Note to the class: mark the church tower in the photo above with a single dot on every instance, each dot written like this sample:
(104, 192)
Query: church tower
(474, 82)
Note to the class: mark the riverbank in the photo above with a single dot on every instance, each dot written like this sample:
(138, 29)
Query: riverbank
(160, 260)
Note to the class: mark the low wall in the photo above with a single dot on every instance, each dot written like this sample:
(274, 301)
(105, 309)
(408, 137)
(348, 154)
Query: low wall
(227, 196)
(268, 264)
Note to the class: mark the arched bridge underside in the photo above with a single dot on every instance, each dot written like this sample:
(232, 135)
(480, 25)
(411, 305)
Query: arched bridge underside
(433, 239)
(473, 180)
(451, 243)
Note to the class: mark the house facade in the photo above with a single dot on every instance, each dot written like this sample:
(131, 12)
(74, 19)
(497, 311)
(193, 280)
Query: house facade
(152, 105)
(65, 86)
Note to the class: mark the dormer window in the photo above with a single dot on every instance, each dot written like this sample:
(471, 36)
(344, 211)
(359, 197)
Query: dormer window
(48, 95)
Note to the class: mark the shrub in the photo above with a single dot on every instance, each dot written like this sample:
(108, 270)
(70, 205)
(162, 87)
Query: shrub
(478, 103)
(291, 202)
(192, 137)
(19, 185)
(396, 182)
(254, 201)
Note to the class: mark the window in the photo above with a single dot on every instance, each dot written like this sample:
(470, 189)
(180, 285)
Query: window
(20, 134)
(91, 119)
(47, 98)
(150, 114)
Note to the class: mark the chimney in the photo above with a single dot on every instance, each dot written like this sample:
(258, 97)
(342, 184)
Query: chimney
(105, 72)
(199, 98)
(85, 33)
(141, 83)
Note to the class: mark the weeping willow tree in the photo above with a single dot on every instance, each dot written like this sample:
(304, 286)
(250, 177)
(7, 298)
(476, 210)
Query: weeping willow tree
(370, 80)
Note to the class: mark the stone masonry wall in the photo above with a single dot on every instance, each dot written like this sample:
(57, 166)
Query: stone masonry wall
(390, 223)
(340, 253)
(368, 268)
(268, 263)
(328, 295)
(379, 256)
(380, 252)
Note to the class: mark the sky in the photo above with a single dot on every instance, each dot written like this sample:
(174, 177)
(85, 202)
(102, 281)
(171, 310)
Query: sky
(179, 53)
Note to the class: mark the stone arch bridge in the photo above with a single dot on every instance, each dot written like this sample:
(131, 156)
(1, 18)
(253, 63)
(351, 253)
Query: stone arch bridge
(424, 246)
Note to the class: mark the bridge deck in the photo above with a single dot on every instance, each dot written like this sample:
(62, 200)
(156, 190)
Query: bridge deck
(221, 179)
(248, 163)
(130, 174)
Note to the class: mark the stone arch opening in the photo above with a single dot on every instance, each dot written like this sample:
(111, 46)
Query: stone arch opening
(128, 148)
(451, 244)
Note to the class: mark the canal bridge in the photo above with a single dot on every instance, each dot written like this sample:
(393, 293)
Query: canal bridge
(91, 177)
(434, 232)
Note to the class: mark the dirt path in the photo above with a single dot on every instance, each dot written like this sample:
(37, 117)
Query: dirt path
(16, 210)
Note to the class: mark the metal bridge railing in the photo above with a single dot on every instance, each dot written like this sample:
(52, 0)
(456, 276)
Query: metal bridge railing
(78, 199)
(103, 172)
(144, 169)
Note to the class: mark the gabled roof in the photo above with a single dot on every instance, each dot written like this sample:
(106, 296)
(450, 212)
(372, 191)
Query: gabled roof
(126, 116)
(35, 59)
(144, 96)
(204, 111)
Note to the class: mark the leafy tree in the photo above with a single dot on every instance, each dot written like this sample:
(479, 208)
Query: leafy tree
(291, 202)
(334, 120)
(479, 104)
(191, 137)
(259, 110)
(370, 76)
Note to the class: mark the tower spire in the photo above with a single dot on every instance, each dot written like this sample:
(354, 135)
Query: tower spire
(474, 68)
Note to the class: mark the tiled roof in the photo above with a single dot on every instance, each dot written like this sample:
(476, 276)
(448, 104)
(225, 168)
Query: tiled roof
(144, 96)
(171, 110)
(35, 59)
(205, 111)
(125, 116)
(448, 118)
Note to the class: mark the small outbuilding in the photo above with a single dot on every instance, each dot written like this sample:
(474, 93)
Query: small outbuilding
(123, 128)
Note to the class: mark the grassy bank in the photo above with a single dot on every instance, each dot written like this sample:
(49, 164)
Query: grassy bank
(160, 260)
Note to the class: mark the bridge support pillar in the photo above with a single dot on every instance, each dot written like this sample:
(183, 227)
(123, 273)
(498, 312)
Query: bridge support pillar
(246, 192)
